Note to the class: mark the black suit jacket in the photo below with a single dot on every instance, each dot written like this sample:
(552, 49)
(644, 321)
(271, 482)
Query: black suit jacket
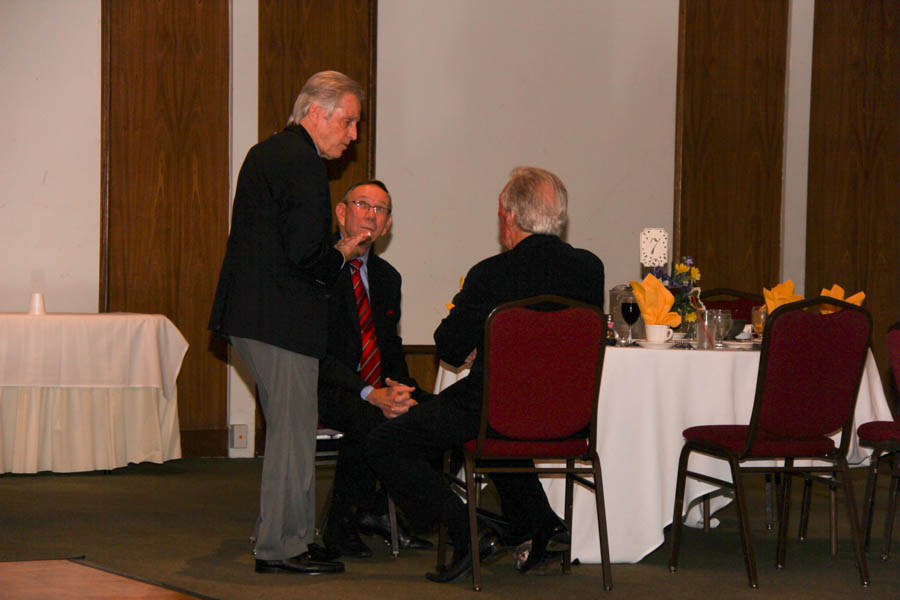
(337, 371)
(279, 256)
(539, 264)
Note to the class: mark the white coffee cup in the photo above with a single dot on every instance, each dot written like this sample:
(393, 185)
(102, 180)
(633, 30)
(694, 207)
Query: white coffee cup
(658, 334)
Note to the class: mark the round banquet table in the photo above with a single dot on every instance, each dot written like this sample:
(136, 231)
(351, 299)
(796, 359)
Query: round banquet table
(647, 398)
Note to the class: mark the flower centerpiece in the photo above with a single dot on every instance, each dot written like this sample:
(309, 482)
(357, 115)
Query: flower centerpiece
(682, 281)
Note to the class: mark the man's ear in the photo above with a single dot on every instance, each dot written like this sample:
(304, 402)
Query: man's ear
(340, 213)
(388, 223)
(315, 112)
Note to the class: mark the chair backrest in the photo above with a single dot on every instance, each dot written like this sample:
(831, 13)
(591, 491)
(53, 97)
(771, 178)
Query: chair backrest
(542, 367)
(893, 350)
(809, 370)
(740, 304)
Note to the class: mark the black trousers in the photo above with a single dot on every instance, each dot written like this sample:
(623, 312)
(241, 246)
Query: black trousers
(354, 480)
(402, 451)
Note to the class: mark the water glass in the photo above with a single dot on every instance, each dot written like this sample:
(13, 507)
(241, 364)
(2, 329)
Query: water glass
(706, 329)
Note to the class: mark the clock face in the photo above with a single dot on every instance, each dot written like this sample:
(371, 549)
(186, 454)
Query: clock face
(654, 247)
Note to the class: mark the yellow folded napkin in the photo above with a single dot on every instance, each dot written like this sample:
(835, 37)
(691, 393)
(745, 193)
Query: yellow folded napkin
(780, 294)
(655, 302)
(837, 291)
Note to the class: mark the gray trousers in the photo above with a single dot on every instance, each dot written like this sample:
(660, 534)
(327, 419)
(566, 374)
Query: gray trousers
(287, 384)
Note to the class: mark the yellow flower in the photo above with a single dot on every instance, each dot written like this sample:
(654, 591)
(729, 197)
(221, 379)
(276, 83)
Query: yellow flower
(690, 317)
(682, 268)
(695, 274)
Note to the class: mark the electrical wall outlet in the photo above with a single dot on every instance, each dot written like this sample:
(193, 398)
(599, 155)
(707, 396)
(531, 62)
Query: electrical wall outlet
(237, 436)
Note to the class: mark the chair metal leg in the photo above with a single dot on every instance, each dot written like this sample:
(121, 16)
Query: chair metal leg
(679, 507)
(869, 499)
(473, 523)
(770, 503)
(601, 523)
(704, 507)
(854, 522)
(779, 493)
(568, 510)
(832, 508)
(803, 529)
(784, 516)
(891, 506)
(395, 535)
(741, 502)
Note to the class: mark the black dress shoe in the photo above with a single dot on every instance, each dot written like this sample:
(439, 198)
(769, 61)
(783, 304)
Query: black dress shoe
(553, 538)
(304, 564)
(318, 553)
(370, 524)
(349, 545)
(341, 537)
(558, 538)
(488, 547)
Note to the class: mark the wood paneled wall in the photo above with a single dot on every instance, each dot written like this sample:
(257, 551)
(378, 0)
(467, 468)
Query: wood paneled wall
(165, 184)
(729, 140)
(853, 214)
(422, 361)
(300, 38)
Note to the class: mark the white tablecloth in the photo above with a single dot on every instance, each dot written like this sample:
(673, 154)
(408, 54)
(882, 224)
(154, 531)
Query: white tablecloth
(81, 392)
(647, 398)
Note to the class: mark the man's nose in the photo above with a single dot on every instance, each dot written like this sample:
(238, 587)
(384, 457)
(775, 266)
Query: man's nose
(353, 131)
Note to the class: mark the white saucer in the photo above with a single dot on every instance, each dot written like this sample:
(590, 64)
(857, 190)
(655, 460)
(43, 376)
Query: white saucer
(654, 345)
(739, 344)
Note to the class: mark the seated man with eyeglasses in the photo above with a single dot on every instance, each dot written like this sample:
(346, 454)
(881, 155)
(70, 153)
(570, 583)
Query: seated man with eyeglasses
(364, 379)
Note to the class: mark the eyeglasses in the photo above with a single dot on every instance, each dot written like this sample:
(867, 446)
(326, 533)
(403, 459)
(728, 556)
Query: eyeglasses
(366, 207)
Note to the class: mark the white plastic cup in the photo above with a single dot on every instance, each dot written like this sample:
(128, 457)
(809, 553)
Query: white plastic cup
(36, 306)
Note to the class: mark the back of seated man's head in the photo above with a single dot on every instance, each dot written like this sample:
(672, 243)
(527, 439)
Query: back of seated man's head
(537, 198)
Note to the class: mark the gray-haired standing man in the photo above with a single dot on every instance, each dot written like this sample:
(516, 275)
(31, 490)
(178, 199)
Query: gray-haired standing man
(271, 305)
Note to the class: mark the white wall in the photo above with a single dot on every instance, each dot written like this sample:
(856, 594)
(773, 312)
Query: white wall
(244, 131)
(50, 154)
(469, 89)
(796, 143)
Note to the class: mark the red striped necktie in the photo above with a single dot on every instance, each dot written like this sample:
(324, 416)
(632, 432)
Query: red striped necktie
(370, 360)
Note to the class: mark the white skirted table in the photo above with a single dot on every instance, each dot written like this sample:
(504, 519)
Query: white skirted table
(647, 398)
(83, 392)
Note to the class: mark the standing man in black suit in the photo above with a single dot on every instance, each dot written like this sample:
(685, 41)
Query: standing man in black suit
(270, 304)
(532, 214)
(363, 379)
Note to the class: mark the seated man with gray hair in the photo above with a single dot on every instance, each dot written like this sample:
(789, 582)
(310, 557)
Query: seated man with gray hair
(532, 214)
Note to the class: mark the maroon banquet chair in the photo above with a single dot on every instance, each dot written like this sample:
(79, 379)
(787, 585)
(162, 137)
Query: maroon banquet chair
(884, 438)
(542, 373)
(741, 304)
(809, 373)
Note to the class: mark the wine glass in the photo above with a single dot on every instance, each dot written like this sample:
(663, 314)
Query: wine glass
(722, 319)
(758, 318)
(630, 312)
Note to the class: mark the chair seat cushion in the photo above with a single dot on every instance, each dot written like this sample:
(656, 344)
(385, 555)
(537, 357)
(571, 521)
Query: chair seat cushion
(879, 432)
(734, 437)
(498, 448)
